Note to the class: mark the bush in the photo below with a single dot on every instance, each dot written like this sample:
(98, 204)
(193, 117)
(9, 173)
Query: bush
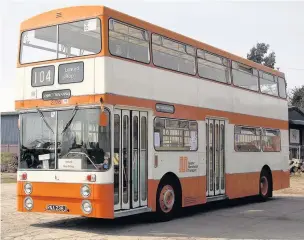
(9, 162)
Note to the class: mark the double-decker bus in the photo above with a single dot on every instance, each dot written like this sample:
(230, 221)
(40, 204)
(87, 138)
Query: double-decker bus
(120, 117)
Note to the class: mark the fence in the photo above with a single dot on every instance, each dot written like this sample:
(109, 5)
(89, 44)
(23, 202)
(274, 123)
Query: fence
(11, 148)
(296, 152)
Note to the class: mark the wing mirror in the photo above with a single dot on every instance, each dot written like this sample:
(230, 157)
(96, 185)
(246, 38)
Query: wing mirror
(103, 117)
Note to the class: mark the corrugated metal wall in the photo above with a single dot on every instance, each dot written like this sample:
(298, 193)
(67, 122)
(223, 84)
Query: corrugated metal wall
(9, 129)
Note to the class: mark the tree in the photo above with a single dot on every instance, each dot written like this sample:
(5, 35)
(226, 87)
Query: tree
(297, 97)
(259, 54)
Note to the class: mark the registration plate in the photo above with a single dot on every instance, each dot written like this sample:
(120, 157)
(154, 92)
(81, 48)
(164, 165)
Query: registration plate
(57, 208)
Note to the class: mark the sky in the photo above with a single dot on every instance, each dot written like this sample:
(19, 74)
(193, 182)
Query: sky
(234, 26)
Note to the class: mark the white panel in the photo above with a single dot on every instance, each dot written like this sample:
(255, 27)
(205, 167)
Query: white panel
(67, 176)
(99, 75)
(202, 148)
(215, 96)
(169, 162)
(18, 83)
(86, 87)
(137, 80)
(145, 82)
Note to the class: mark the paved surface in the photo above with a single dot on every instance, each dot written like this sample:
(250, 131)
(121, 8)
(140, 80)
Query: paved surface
(280, 218)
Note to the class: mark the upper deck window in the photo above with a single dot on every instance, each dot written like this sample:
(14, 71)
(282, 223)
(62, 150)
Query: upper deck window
(282, 87)
(245, 76)
(173, 55)
(268, 83)
(80, 38)
(212, 66)
(128, 42)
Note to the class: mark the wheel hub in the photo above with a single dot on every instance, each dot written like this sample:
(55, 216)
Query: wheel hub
(167, 198)
(264, 186)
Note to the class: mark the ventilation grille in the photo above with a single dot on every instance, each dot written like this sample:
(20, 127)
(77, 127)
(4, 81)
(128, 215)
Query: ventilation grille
(58, 15)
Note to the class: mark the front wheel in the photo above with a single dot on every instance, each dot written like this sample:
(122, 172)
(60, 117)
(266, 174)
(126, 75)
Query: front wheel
(167, 201)
(265, 185)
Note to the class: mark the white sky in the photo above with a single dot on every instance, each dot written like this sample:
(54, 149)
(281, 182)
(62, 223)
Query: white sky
(234, 26)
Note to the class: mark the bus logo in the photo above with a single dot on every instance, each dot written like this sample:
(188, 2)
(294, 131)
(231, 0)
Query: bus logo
(183, 164)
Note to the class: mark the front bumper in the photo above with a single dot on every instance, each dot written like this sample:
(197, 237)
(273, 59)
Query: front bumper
(69, 195)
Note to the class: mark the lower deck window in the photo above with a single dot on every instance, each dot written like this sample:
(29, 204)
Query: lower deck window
(271, 141)
(247, 139)
(254, 139)
(175, 135)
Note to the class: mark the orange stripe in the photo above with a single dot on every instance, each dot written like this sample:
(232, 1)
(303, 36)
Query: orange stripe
(77, 13)
(152, 190)
(193, 190)
(247, 184)
(68, 14)
(281, 179)
(181, 111)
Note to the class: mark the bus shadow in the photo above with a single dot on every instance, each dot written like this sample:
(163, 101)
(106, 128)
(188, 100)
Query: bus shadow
(146, 225)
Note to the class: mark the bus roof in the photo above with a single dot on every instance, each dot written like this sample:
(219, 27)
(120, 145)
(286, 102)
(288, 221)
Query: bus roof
(69, 14)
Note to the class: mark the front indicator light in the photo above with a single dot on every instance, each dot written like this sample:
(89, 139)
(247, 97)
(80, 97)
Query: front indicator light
(28, 203)
(86, 207)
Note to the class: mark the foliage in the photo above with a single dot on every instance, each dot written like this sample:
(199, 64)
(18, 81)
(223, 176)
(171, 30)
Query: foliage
(297, 97)
(9, 162)
(259, 54)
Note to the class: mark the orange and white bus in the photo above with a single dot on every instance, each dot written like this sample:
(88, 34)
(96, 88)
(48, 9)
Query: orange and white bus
(119, 117)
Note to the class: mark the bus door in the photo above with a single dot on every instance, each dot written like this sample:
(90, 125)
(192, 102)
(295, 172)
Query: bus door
(130, 159)
(215, 155)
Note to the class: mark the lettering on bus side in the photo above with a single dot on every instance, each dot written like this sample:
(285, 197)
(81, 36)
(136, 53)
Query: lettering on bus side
(187, 166)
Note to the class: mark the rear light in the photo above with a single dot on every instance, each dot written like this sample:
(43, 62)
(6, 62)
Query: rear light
(91, 178)
(23, 176)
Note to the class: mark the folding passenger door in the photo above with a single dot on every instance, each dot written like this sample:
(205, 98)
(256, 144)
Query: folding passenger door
(131, 158)
(215, 156)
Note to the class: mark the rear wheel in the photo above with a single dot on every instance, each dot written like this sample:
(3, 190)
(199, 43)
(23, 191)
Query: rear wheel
(265, 185)
(168, 201)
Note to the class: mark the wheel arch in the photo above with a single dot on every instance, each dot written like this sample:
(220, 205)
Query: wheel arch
(172, 178)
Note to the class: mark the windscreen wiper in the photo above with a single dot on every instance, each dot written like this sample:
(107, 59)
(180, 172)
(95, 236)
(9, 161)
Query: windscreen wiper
(43, 118)
(70, 121)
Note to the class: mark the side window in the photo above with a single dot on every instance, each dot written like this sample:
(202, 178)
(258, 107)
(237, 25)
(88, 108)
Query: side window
(173, 55)
(245, 76)
(271, 141)
(268, 83)
(247, 139)
(212, 67)
(175, 135)
(128, 42)
(282, 87)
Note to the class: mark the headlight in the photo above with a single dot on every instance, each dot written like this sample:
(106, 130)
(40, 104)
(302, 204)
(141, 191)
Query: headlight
(28, 203)
(86, 207)
(28, 188)
(85, 191)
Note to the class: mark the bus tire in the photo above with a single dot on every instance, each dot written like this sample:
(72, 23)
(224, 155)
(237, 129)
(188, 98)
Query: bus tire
(167, 200)
(265, 185)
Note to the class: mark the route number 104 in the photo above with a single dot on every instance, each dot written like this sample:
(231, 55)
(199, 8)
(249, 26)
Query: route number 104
(42, 77)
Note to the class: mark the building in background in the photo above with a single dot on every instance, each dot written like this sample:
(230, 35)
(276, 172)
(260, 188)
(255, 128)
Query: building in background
(9, 132)
(296, 132)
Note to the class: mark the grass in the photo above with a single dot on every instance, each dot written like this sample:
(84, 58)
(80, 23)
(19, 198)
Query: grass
(6, 157)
